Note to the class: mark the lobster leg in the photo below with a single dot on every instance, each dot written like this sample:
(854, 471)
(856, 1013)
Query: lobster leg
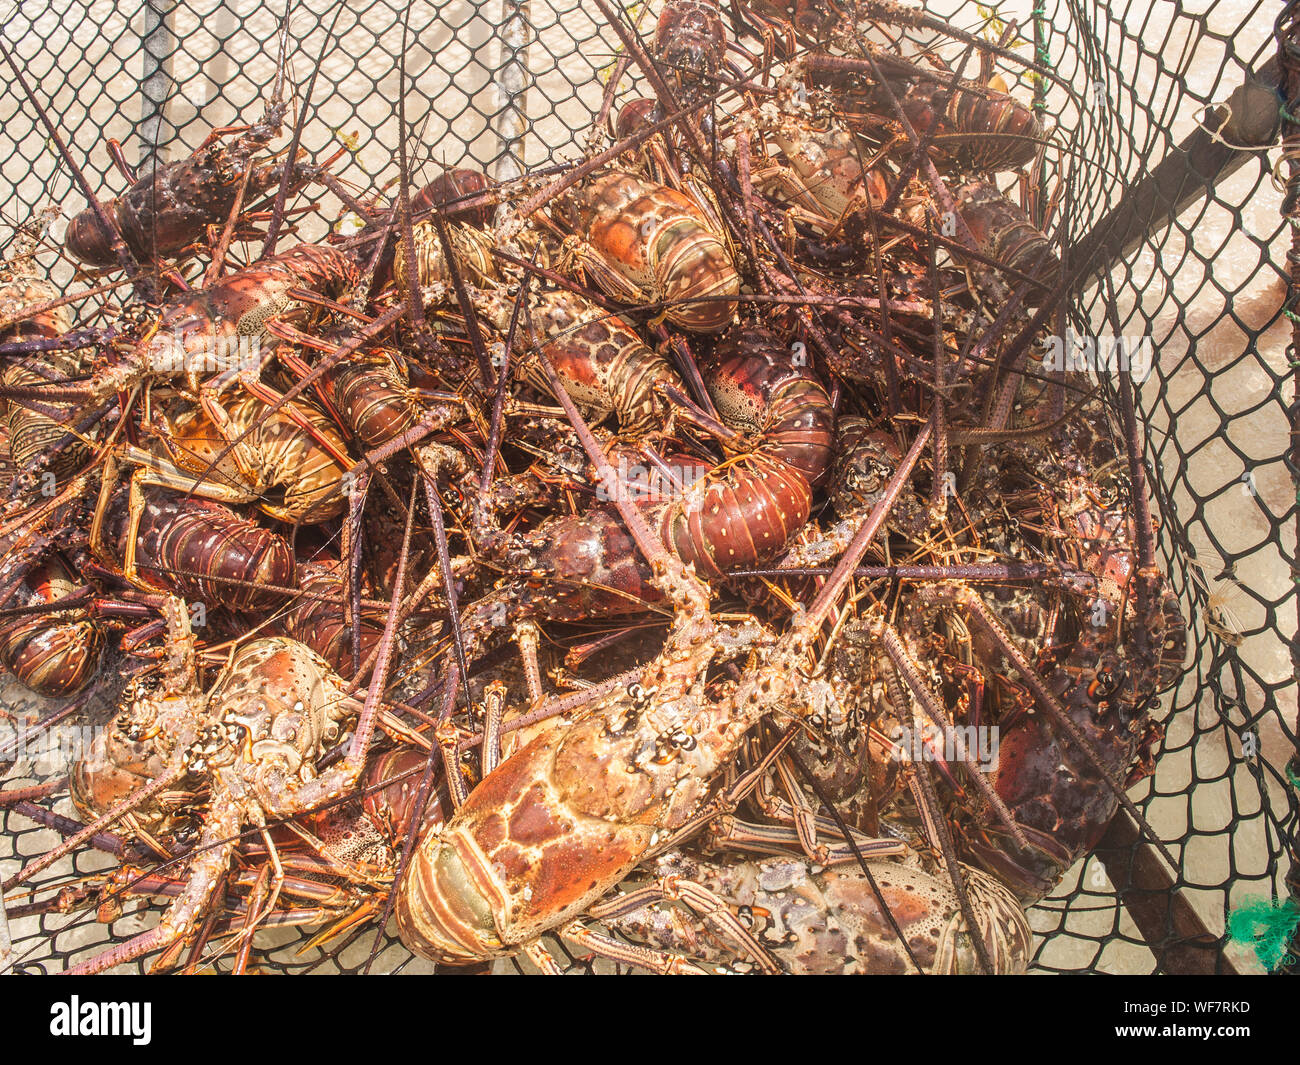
(115, 153)
(659, 962)
(214, 851)
(685, 410)
(768, 28)
(218, 132)
(357, 916)
(600, 271)
(449, 738)
(159, 473)
(258, 908)
(221, 245)
(805, 824)
(784, 186)
(704, 903)
(295, 364)
(527, 636)
(259, 911)
(542, 958)
(135, 511)
(494, 707)
(734, 833)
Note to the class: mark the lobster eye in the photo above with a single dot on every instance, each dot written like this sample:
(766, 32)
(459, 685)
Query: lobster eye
(869, 480)
(1104, 684)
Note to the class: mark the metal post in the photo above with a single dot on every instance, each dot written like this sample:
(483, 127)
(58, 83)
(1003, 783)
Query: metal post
(1232, 136)
(512, 79)
(6, 944)
(1287, 32)
(1170, 926)
(156, 131)
(1043, 58)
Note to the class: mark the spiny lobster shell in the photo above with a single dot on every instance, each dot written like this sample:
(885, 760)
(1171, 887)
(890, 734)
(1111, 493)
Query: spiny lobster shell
(658, 243)
(53, 654)
(205, 552)
(828, 921)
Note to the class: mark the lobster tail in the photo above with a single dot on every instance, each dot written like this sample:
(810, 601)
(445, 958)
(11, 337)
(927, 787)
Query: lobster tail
(980, 129)
(763, 386)
(318, 619)
(203, 551)
(1005, 234)
(739, 513)
(52, 654)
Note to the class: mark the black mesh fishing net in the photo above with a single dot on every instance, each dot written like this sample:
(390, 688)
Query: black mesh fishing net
(1180, 201)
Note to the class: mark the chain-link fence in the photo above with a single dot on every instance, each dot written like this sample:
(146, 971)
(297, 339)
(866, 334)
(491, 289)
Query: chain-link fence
(504, 85)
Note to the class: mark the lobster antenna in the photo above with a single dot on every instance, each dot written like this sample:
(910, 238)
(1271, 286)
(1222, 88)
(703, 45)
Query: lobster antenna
(459, 668)
(852, 555)
(281, 60)
(282, 193)
(493, 446)
(929, 799)
(365, 725)
(907, 672)
(154, 787)
(126, 259)
(935, 828)
(939, 482)
(415, 299)
(428, 473)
